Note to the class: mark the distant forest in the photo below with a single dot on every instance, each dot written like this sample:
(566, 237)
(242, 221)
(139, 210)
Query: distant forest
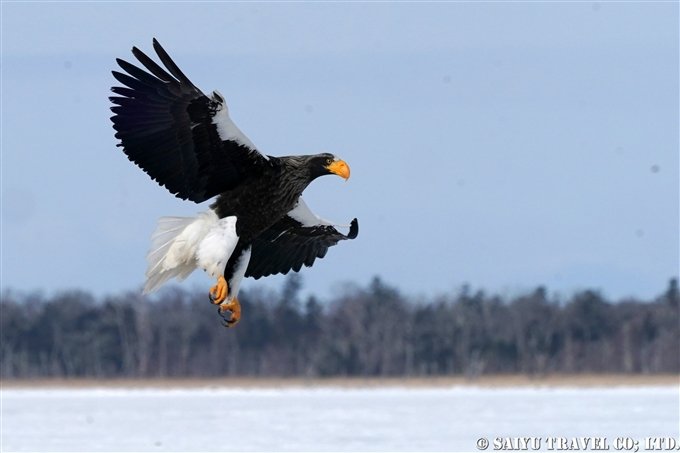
(365, 331)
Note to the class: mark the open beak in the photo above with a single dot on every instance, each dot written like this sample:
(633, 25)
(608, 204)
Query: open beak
(340, 168)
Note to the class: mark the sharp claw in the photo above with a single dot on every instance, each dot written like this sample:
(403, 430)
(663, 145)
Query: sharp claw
(228, 324)
(224, 314)
(228, 321)
(230, 313)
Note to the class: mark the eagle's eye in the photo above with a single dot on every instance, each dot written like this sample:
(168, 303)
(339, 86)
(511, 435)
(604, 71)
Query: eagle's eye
(329, 161)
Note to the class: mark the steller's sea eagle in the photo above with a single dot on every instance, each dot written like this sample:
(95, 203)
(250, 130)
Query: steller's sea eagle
(258, 225)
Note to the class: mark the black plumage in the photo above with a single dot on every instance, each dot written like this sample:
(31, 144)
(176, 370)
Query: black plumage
(165, 125)
(186, 142)
(289, 245)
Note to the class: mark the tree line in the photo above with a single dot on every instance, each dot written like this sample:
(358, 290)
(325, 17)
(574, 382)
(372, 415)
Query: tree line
(366, 331)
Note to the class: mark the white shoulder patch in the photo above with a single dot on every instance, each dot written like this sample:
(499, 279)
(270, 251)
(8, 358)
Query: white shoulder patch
(226, 128)
(305, 216)
(217, 246)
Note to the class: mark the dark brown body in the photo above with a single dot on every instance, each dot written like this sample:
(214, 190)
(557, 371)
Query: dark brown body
(262, 200)
(265, 197)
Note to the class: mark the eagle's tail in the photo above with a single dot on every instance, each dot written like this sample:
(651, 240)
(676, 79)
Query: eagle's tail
(173, 248)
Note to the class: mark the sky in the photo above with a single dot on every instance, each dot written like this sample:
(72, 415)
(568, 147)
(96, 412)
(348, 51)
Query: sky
(499, 145)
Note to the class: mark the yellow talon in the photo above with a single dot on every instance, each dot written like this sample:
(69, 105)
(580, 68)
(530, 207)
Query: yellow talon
(235, 308)
(219, 292)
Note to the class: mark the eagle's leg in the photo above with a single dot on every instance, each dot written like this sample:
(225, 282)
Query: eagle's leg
(233, 307)
(229, 311)
(218, 293)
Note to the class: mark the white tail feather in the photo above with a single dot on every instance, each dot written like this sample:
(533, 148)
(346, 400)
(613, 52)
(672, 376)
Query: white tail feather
(173, 248)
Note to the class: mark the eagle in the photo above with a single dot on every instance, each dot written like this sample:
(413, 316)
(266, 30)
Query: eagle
(258, 223)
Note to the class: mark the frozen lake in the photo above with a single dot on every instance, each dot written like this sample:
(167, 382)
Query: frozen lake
(339, 419)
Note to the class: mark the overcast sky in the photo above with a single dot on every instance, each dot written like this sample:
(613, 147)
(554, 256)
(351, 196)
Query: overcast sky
(501, 145)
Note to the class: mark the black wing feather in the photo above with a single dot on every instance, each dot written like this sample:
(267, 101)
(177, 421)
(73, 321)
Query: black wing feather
(151, 65)
(165, 126)
(167, 61)
(288, 245)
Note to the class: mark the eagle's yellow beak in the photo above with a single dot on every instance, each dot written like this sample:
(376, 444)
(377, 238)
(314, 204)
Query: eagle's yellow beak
(340, 168)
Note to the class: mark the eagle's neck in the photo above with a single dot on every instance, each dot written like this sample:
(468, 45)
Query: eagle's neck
(296, 173)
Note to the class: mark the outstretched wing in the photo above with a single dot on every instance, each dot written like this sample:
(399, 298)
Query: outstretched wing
(180, 137)
(298, 238)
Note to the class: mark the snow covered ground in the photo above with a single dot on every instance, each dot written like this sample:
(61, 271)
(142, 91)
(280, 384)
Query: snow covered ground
(339, 419)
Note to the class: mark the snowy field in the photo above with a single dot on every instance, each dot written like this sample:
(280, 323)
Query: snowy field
(339, 419)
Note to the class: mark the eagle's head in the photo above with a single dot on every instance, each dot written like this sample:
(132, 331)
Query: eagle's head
(328, 164)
